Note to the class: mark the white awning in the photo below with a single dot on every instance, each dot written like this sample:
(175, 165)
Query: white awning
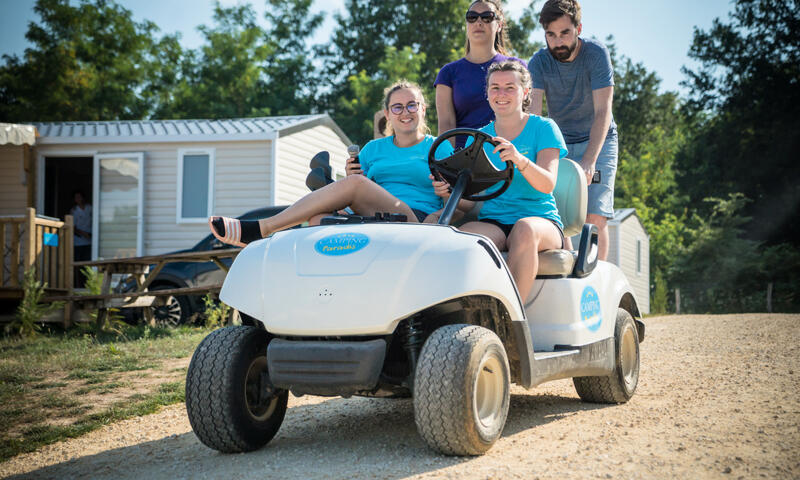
(17, 134)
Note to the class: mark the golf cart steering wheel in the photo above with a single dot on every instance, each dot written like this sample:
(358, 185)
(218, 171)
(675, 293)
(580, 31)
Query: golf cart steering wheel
(472, 162)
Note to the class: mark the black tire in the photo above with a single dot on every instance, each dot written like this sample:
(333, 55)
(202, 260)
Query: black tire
(461, 390)
(175, 311)
(620, 386)
(224, 397)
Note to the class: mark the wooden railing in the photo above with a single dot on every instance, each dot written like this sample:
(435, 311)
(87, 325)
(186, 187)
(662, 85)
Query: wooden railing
(28, 241)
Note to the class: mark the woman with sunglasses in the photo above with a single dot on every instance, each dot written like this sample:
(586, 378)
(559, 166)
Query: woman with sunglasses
(524, 219)
(393, 176)
(461, 85)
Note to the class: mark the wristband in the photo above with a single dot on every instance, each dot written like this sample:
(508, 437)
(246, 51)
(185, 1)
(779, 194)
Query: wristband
(528, 162)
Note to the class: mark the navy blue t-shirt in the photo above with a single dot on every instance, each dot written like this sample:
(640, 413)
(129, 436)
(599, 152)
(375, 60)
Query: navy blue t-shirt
(468, 81)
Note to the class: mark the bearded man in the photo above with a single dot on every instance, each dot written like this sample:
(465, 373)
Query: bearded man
(576, 77)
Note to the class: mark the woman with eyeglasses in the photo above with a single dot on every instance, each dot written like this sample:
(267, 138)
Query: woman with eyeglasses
(524, 219)
(461, 85)
(392, 176)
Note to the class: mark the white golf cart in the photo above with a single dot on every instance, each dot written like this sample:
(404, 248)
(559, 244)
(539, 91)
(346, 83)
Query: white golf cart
(363, 307)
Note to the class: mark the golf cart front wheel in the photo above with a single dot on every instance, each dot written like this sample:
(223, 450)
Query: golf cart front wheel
(231, 404)
(621, 384)
(461, 390)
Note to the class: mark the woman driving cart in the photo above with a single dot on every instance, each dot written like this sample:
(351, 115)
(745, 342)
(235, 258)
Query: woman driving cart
(524, 219)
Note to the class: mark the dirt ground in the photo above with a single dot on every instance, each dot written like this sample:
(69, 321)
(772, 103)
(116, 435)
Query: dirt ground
(718, 397)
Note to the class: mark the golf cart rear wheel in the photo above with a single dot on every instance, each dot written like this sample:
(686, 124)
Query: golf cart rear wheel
(461, 390)
(231, 405)
(621, 384)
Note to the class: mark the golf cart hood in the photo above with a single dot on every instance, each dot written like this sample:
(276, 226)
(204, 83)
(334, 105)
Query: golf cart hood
(362, 279)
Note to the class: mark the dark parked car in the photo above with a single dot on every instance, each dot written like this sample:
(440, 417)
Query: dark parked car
(180, 309)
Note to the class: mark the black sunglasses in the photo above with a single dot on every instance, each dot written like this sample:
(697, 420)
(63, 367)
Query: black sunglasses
(397, 108)
(487, 16)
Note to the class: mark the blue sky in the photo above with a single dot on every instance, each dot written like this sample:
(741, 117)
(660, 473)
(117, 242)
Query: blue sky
(657, 33)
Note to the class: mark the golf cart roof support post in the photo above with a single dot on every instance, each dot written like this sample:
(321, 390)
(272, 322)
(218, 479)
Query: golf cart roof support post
(455, 197)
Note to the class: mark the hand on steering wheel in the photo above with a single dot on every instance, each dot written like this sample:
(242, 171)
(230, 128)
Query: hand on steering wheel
(473, 161)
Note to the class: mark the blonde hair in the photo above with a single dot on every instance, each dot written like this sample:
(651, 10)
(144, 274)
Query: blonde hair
(501, 42)
(387, 96)
(524, 77)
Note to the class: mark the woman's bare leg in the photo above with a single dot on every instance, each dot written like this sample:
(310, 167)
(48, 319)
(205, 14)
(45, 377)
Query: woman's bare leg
(488, 230)
(529, 236)
(364, 196)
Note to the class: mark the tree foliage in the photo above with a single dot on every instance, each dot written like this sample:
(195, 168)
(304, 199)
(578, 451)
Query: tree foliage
(745, 101)
(88, 62)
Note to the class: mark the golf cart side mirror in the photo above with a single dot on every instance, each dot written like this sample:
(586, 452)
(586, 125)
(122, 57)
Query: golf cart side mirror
(587, 251)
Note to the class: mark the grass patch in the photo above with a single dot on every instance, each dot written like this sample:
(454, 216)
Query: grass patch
(85, 367)
(101, 388)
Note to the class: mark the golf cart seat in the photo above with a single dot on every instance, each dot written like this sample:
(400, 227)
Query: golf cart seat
(571, 199)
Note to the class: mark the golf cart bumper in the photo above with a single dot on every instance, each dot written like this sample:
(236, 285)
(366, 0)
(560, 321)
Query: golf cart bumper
(325, 368)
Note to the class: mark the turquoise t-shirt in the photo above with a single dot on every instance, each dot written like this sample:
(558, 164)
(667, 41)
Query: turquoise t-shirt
(404, 172)
(521, 199)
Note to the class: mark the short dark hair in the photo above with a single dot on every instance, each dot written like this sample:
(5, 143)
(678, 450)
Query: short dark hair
(555, 9)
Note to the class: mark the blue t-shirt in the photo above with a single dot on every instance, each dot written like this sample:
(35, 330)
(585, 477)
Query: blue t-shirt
(404, 172)
(568, 87)
(468, 81)
(521, 199)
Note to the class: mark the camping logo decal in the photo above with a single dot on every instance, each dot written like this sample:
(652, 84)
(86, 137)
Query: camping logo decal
(591, 315)
(341, 244)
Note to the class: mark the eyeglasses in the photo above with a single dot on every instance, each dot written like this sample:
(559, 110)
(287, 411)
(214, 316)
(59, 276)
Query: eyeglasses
(410, 107)
(487, 16)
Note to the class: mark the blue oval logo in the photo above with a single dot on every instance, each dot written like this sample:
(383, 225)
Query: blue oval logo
(591, 314)
(341, 244)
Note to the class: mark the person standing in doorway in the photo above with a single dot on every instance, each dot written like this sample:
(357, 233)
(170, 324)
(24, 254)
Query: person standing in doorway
(576, 77)
(82, 242)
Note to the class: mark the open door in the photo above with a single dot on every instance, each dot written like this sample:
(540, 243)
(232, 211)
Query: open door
(118, 205)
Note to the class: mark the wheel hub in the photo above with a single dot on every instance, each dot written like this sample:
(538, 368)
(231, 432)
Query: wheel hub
(169, 313)
(260, 403)
(489, 390)
(628, 357)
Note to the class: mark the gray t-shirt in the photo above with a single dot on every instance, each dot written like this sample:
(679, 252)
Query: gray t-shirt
(568, 87)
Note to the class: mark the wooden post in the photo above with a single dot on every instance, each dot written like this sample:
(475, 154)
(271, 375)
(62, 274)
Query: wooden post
(69, 270)
(16, 243)
(677, 301)
(30, 175)
(3, 254)
(30, 244)
(769, 297)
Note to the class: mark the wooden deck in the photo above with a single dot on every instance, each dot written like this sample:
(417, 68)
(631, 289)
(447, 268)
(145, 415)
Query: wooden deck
(140, 269)
(46, 245)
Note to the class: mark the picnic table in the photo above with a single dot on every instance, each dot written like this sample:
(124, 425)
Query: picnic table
(140, 269)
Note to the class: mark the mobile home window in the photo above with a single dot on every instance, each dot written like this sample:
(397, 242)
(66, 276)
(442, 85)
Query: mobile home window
(638, 256)
(195, 185)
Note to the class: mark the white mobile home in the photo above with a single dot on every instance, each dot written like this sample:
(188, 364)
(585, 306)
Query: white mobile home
(153, 184)
(629, 249)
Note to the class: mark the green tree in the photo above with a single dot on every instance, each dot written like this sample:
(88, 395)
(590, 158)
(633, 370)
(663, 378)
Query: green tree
(367, 91)
(522, 30)
(745, 102)
(223, 79)
(88, 62)
(430, 30)
(291, 79)
(652, 133)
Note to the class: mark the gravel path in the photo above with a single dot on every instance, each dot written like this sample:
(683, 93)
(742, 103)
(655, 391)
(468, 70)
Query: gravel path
(717, 398)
